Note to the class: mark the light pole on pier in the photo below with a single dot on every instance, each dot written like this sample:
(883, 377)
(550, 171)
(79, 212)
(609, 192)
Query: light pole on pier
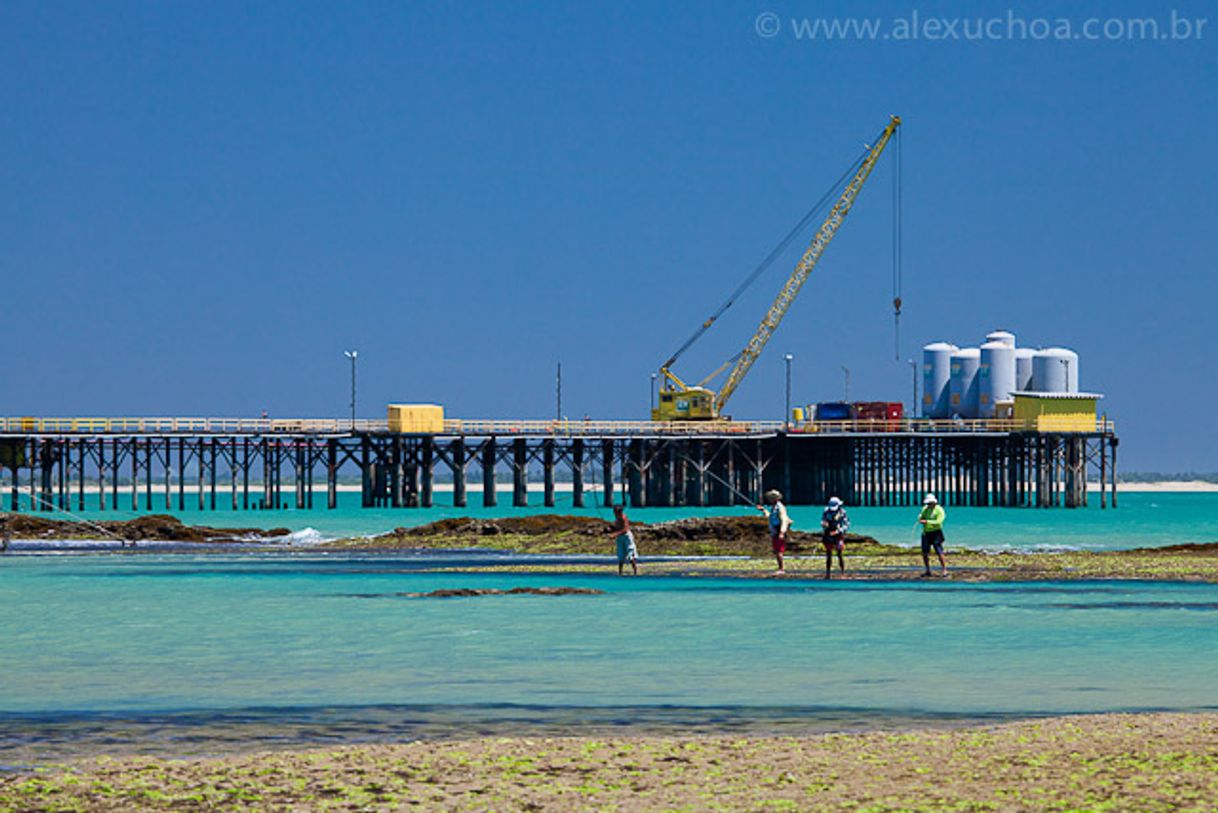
(654, 376)
(913, 409)
(846, 386)
(353, 355)
(786, 421)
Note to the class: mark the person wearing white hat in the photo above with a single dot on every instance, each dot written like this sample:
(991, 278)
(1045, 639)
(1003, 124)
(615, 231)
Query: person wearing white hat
(834, 523)
(780, 523)
(931, 519)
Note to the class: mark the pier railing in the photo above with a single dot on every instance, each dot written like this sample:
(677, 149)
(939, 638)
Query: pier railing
(555, 428)
(189, 426)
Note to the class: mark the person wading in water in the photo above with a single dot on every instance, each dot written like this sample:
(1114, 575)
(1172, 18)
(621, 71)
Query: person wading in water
(931, 519)
(780, 523)
(834, 523)
(626, 549)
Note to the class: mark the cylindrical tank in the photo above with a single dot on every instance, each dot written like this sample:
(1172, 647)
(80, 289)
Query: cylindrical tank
(995, 376)
(1001, 336)
(936, 378)
(1023, 368)
(963, 382)
(1055, 369)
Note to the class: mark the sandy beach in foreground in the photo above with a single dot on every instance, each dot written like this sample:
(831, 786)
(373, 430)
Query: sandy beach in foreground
(1147, 762)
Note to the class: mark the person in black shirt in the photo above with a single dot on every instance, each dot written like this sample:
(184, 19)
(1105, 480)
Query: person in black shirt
(834, 523)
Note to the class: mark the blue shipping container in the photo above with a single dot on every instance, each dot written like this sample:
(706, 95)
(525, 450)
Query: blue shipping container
(833, 411)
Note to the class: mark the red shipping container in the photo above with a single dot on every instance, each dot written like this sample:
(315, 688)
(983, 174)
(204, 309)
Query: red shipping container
(880, 415)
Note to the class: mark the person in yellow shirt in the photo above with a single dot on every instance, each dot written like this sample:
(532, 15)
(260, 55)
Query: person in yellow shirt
(931, 519)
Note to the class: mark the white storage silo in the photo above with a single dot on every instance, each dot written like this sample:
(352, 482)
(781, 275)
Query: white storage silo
(936, 379)
(1023, 368)
(1001, 336)
(1055, 369)
(995, 376)
(964, 382)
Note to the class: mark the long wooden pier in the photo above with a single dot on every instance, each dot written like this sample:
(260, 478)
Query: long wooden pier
(241, 464)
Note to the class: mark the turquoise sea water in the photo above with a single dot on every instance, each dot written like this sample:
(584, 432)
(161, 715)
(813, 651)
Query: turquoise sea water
(1142, 520)
(315, 647)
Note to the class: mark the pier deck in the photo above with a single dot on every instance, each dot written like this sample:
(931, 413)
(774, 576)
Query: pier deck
(238, 463)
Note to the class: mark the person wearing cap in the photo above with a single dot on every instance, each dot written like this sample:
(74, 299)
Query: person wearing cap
(834, 523)
(931, 519)
(780, 523)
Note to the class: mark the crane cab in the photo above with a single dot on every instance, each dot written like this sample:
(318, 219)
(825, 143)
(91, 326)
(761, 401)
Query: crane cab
(689, 404)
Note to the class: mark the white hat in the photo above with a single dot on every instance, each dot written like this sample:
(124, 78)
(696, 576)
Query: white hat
(834, 502)
(930, 498)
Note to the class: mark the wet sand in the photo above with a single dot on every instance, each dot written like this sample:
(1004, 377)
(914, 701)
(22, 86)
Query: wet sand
(1148, 762)
(740, 546)
(705, 546)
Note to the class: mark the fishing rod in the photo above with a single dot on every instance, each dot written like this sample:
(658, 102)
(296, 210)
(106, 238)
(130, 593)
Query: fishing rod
(730, 487)
(596, 502)
(82, 521)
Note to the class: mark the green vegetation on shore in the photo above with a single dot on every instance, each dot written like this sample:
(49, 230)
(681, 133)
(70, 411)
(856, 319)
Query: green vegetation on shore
(740, 543)
(747, 537)
(1153, 762)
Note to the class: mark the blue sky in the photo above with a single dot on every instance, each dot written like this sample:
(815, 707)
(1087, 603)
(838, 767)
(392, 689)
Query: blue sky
(203, 204)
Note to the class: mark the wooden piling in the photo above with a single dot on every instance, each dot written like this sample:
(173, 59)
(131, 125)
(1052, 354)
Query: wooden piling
(457, 451)
(547, 467)
(607, 470)
(427, 464)
(489, 458)
(577, 472)
(520, 473)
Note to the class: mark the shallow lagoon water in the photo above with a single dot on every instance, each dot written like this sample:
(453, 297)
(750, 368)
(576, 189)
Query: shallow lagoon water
(313, 647)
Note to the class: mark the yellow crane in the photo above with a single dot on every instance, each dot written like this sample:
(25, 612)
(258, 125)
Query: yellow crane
(679, 401)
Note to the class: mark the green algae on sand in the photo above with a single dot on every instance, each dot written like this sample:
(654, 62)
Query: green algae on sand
(1151, 762)
(746, 539)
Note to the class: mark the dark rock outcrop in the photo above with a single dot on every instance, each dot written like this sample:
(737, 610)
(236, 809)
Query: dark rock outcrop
(153, 527)
(515, 591)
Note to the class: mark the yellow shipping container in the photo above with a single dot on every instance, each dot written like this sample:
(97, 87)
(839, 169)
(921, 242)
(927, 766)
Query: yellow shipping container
(421, 419)
(1057, 411)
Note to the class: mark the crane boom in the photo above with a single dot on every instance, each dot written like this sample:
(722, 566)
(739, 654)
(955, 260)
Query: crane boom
(806, 263)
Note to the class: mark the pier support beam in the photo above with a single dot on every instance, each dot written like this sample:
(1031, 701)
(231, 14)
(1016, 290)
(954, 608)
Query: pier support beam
(577, 472)
(547, 467)
(397, 474)
(520, 473)
(457, 453)
(634, 473)
(427, 465)
(489, 497)
(607, 470)
(365, 467)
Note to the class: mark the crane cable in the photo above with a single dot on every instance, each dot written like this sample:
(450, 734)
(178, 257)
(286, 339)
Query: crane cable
(896, 248)
(769, 259)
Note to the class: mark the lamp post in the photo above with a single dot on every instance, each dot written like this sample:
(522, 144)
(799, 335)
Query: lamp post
(558, 393)
(846, 388)
(654, 376)
(786, 421)
(353, 355)
(913, 411)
